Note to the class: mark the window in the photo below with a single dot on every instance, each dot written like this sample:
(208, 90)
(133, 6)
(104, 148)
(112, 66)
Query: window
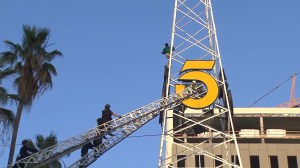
(181, 161)
(273, 162)
(254, 162)
(235, 159)
(217, 162)
(292, 162)
(199, 161)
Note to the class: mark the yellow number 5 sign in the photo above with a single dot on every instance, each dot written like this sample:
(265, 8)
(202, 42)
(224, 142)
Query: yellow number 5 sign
(195, 74)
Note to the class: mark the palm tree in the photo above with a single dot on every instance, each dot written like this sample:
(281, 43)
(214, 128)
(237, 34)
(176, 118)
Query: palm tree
(32, 64)
(43, 143)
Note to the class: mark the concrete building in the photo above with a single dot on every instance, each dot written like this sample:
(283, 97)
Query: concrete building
(267, 138)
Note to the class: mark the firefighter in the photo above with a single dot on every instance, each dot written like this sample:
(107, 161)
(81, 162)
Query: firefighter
(25, 151)
(107, 115)
(101, 128)
(84, 150)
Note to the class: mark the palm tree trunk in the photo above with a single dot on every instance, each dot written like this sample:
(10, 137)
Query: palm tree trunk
(15, 134)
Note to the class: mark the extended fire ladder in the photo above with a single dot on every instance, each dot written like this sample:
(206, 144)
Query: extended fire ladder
(121, 127)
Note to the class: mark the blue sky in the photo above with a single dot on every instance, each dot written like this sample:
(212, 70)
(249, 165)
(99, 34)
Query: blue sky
(112, 55)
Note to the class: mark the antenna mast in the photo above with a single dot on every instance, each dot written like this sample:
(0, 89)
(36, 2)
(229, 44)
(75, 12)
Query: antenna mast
(194, 38)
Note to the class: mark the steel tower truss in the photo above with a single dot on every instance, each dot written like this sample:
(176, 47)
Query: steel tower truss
(194, 37)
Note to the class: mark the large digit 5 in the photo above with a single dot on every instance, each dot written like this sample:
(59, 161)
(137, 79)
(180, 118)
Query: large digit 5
(201, 76)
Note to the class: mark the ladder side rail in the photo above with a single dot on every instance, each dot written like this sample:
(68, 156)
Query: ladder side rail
(49, 154)
(74, 142)
(174, 100)
(121, 134)
(92, 156)
(107, 129)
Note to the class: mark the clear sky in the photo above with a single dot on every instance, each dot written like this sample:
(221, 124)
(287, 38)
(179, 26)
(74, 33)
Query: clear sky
(112, 55)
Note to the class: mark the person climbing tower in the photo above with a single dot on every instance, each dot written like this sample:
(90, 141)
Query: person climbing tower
(167, 50)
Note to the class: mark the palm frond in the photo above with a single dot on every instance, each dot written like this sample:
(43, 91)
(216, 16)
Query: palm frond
(7, 116)
(51, 139)
(50, 56)
(49, 68)
(29, 34)
(40, 141)
(42, 36)
(3, 96)
(6, 72)
(12, 46)
(18, 67)
(7, 119)
(7, 57)
(45, 81)
(14, 97)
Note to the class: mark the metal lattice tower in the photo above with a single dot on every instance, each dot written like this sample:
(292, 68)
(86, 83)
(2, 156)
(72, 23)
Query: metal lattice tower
(194, 37)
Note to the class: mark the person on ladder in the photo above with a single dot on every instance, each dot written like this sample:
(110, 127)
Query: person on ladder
(107, 115)
(97, 141)
(84, 151)
(25, 151)
(167, 50)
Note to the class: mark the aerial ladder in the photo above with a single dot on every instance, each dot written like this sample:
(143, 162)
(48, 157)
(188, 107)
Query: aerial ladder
(121, 127)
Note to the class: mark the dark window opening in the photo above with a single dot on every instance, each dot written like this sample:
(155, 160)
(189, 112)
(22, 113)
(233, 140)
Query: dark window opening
(217, 162)
(181, 161)
(254, 162)
(199, 159)
(273, 162)
(292, 162)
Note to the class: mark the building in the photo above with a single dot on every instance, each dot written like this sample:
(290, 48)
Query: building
(267, 138)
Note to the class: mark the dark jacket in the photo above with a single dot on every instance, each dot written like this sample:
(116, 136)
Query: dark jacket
(26, 151)
(23, 154)
(106, 115)
(167, 49)
(85, 148)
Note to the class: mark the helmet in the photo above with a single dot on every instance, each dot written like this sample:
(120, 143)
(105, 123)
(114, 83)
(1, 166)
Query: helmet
(24, 142)
(107, 106)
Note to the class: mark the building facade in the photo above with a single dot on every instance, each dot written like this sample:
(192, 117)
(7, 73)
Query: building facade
(267, 138)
